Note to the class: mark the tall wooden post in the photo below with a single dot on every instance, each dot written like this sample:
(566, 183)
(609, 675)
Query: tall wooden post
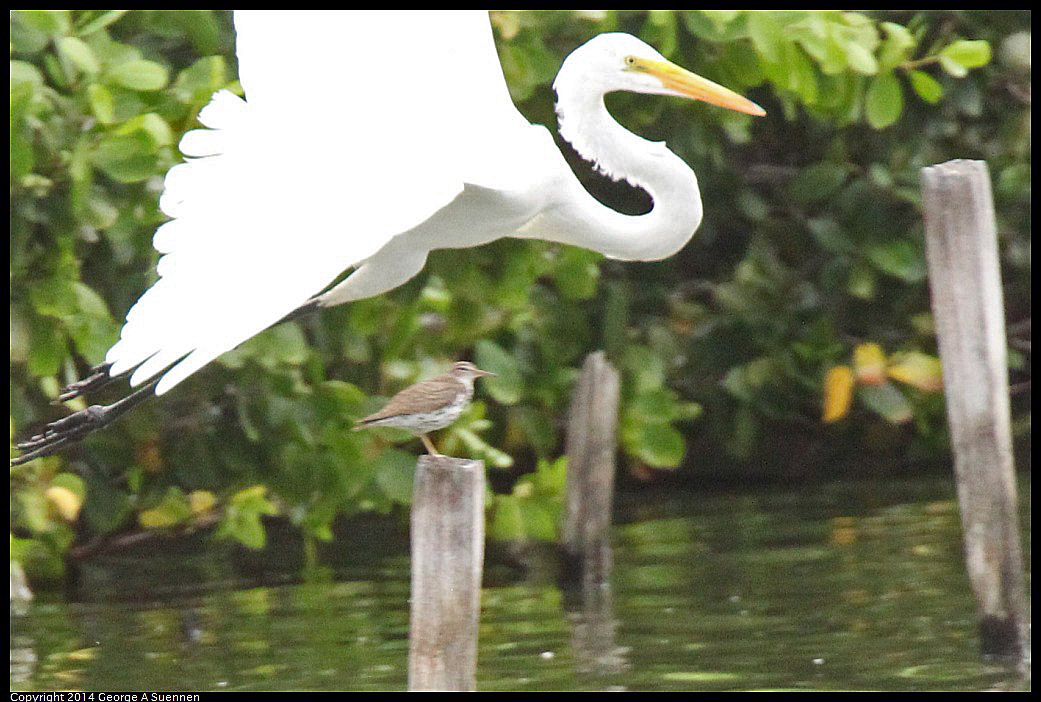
(968, 311)
(447, 559)
(590, 447)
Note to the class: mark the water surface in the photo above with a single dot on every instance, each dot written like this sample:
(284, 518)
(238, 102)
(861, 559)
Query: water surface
(837, 587)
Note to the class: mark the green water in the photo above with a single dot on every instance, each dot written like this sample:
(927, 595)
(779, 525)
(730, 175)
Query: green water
(837, 587)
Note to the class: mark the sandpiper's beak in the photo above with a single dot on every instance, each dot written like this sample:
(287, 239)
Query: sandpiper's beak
(481, 373)
(686, 84)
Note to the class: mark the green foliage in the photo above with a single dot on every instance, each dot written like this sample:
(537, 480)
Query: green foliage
(811, 243)
(534, 508)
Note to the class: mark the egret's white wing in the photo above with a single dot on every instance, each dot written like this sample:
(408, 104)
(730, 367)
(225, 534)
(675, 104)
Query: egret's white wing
(357, 126)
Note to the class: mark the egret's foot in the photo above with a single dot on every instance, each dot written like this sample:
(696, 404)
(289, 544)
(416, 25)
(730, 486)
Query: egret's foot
(68, 430)
(98, 378)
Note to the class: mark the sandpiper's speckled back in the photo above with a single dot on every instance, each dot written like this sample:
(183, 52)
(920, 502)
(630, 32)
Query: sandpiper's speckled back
(431, 404)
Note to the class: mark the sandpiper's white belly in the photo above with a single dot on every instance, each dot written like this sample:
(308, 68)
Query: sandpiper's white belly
(424, 422)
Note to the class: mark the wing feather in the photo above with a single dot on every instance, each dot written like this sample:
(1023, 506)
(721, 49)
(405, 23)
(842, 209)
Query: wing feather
(356, 127)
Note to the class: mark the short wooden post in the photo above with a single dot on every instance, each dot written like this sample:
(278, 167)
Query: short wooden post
(968, 311)
(447, 558)
(590, 447)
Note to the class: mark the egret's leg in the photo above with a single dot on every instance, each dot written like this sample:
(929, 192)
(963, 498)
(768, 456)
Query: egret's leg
(431, 449)
(390, 267)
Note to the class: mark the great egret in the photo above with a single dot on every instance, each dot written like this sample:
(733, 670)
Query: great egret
(345, 154)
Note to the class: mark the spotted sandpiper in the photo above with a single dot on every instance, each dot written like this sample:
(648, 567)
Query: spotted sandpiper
(428, 405)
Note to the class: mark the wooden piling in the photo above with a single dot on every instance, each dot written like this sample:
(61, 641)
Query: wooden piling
(968, 312)
(590, 447)
(447, 557)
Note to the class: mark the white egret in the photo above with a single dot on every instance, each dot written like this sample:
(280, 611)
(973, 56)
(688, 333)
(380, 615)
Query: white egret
(367, 140)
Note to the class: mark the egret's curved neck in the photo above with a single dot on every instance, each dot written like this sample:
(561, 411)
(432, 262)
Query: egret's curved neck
(618, 153)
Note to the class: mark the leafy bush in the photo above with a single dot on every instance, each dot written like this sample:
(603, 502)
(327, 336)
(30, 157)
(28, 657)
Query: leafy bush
(811, 247)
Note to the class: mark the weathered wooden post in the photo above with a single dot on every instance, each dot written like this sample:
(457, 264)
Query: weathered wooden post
(590, 447)
(447, 557)
(968, 311)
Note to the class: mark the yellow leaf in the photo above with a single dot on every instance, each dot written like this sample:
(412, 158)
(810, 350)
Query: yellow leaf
(838, 393)
(65, 501)
(917, 369)
(201, 501)
(869, 360)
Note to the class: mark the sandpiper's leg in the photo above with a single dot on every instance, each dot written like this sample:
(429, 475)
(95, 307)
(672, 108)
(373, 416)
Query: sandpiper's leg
(429, 444)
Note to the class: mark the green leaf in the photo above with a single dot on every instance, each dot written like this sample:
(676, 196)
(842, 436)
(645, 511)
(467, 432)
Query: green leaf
(896, 46)
(576, 273)
(140, 74)
(830, 235)
(32, 510)
(21, 156)
(965, 54)
(203, 77)
(284, 344)
(540, 519)
(825, 50)
(953, 67)
(151, 124)
(653, 406)
(101, 103)
(101, 21)
(88, 301)
(927, 87)
(660, 31)
(76, 51)
(200, 27)
(818, 183)
(720, 18)
(396, 475)
(860, 59)
(645, 369)
(884, 101)
(717, 25)
(47, 21)
(48, 348)
(23, 72)
(802, 79)
(900, 258)
(127, 158)
(173, 510)
(861, 282)
(507, 522)
(550, 476)
(886, 401)
(336, 399)
(242, 517)
(658, 445)
(480, 448)
(507, 386)
(767, 36)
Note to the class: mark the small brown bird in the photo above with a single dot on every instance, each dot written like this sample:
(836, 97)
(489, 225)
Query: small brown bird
(428, 405)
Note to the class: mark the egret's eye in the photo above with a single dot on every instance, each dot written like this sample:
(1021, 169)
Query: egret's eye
(630, 61)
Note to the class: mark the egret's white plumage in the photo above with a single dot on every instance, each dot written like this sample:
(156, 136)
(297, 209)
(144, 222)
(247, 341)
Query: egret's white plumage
(367, 139)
